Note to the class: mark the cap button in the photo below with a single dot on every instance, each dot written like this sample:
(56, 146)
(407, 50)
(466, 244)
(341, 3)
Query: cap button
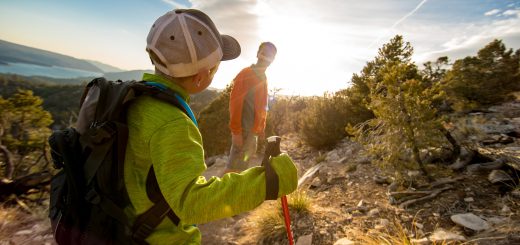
(178, 11)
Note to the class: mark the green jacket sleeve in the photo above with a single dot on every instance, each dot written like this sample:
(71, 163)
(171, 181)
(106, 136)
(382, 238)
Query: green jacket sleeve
(179, 163)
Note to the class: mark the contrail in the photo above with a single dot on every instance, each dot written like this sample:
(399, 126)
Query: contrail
(399, 21)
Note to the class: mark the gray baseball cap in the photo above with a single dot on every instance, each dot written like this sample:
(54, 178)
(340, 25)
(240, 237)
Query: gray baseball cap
(184, 41)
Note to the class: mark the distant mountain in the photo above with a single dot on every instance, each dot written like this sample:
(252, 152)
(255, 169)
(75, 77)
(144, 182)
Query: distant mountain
(15, 53)
(62, 69)
(104, 67)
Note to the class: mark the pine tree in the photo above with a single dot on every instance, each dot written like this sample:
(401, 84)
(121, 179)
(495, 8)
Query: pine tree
(405, 121)
(485, 79)
(25, 127)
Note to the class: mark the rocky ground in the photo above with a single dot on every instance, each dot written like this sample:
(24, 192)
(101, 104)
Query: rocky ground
(352, 201)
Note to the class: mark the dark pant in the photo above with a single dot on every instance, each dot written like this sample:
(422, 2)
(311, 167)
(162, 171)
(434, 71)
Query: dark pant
(239, 156)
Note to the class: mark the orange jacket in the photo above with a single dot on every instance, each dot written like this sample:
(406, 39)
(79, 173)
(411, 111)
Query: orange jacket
(248, 102)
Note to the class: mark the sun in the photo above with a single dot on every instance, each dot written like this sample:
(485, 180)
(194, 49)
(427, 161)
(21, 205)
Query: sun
(306, 50)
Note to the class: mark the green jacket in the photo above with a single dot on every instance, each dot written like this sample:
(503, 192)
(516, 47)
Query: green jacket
(162, 135)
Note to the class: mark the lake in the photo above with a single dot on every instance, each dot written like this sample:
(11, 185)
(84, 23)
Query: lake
(46, 71)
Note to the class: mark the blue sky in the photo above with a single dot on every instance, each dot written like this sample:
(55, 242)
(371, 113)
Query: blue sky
(320, 43)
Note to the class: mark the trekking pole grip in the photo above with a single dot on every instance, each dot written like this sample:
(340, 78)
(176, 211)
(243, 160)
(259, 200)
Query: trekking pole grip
(272, 150)
(271, 178)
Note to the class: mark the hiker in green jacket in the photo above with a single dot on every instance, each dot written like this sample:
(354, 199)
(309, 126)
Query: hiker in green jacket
(186, 48)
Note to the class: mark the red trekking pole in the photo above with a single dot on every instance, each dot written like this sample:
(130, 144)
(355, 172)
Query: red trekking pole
(271, 150)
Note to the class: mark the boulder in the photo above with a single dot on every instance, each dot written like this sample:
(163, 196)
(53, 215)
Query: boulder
(471, 221)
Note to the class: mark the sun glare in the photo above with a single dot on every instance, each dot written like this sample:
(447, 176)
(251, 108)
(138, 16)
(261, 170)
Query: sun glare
(306, 49)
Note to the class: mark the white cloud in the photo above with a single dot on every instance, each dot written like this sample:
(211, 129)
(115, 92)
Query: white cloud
(175, 4)
(320, 44)
(510, 12)
(492, 12)
(466, 39)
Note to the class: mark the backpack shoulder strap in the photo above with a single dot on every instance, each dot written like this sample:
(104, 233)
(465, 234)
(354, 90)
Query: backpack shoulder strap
(161, 92)
(147, 221)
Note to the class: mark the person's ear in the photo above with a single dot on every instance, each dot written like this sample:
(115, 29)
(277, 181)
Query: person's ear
(201, 77)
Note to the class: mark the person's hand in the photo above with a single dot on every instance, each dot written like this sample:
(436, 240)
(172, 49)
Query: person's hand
(237, 140)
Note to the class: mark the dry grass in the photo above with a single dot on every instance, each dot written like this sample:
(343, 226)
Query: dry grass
(269, 219)
(15, 219)
(299, 201)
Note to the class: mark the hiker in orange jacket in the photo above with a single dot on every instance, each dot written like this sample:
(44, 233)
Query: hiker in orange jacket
(248, 109)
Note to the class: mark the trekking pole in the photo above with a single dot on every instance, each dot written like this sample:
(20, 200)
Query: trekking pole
(271, 150)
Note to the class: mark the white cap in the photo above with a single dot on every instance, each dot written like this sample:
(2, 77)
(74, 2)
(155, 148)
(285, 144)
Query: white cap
(185, 41)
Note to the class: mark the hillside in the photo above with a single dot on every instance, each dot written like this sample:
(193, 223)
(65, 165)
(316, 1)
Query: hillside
(15, 53)
(28, 61)
(351, 201)
(61, 96)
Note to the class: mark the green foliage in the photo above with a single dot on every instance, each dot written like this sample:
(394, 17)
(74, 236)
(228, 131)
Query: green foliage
(405, 121)
(322, 123)
(62, 101)
(214, 125)
(26, 121)
(199, 101)
(485, 79)
(283, 115)
(24, 129)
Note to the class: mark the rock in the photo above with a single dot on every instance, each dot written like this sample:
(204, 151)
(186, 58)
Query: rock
(471, 221)
(469, 199)
(344, 241)
(379, 227)
(499, 176)
(382, 180)
(393, 187)
(414, 173)
(361, 203)
(497, 220)
(23, 232)
(316, 182)
(485, 166)
(304, 240)
(350, 168)
(505, 209)
(496, 128)
(310, 173)
(363, 160)
(406, 218)
(422, 241)
(373, 212)
(384, 222)
(418, 225)
(332, 156)
(440, 235)
(515, 193)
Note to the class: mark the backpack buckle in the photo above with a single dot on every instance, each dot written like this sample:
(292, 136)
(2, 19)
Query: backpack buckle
(102, 132)
(142, 232)
(93, 197)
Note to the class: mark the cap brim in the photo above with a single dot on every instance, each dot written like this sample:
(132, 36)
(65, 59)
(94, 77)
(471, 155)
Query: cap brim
(230, 47)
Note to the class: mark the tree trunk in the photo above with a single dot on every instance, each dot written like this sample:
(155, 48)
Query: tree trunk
(24, 184)
(411, 136)
(456, 147)
(9, 170)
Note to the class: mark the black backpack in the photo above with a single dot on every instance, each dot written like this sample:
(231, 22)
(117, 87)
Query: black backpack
(88, 194)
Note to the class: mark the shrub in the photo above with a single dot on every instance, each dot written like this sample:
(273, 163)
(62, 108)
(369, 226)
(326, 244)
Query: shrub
(486, 79)
(322, 123)
(214, 125)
